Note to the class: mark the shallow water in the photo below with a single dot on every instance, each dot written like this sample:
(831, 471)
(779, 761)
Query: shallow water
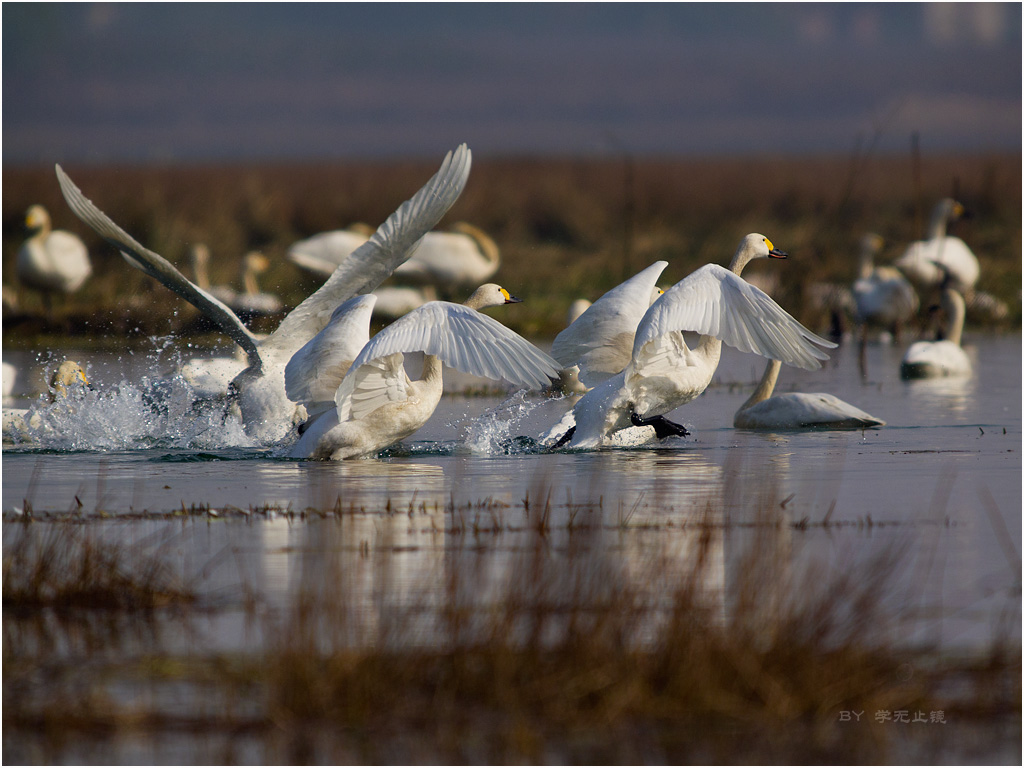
(940, 485)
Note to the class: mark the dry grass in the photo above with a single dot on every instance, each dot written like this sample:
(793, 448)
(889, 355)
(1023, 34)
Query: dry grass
(575, 654)
(567, 228)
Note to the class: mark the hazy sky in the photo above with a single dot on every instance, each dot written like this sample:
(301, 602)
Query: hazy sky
(182, 82)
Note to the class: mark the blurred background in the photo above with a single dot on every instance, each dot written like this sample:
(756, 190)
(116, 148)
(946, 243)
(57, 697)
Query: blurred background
(605, 136)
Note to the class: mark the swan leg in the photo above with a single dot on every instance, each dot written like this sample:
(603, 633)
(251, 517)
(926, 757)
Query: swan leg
(662, 427)
(564, 439)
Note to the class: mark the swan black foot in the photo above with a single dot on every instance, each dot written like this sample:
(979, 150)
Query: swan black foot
(662, 427)
(563, 439)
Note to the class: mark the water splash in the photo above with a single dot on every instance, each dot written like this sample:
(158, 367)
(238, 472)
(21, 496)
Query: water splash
(150, 413)
(509, 428)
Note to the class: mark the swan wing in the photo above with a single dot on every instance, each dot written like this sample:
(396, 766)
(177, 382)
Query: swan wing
(157, 267)
(371, 263)
(715, 302)
(600, 341)
(314, 372)
(461, 337)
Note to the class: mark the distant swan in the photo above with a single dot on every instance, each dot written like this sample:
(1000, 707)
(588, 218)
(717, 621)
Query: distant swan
(264, 406)
(445, 260)
(663, 373)
(798, 410)
(929, 359)
(920, 262)
(359, 406)
(51, 260)
(885, 298)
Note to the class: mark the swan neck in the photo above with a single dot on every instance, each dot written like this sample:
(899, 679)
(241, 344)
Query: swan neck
(432, 368)
(867, 263)
(740, 259)
(955, 308)
(201, 274)
(937, 225)
(249, 282)
(766, 387)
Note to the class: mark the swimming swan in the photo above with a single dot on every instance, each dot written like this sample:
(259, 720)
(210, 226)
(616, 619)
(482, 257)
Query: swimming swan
(930, 359)
(51, 260)
(798, 410)
(921, 259)
(663, 373)
(359, 406)
(885, 298)
(266, 411)
(446, 260)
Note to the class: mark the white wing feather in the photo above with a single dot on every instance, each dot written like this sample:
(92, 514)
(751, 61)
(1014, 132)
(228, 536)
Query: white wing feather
(314, 372)
(600, 341)
(461, 337)
(374, 261)
(156, 266)
(715, 302)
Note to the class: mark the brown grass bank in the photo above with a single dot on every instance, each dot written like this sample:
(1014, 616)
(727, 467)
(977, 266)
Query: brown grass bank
(567, 228)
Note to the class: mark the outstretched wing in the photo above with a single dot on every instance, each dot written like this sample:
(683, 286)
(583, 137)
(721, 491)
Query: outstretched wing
(314, 373)
(461, 337)
(157, 267)
(371, 263)
(715, 302)
(600, 341)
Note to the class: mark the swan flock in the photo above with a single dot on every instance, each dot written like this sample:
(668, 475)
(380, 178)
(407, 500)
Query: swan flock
(320, 386)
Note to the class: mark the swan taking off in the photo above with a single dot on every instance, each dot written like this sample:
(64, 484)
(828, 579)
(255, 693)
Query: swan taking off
(266, 411)
(921, 261)
(445, 260)
(798, 410)
(885, 298)
(663, 373)
(51, 260)
(930, 359)
(359, 406)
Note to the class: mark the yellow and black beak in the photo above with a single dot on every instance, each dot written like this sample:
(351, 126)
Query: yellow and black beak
(509, 298)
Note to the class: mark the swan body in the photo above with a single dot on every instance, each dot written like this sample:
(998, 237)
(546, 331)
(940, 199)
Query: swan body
(884, 297)
(265, 409)
(798, 410)
(375, 403)
(51, 260)
(664, 373)
(447, 260)
(931, 359)
(920, 262)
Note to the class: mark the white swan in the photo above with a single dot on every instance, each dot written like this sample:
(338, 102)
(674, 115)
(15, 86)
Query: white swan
(251, 300)
(663, 373)
(264, 406)
(357, 407)
(446, 260)
(18, 422)
(929, 359)
(885, 298)
(798, 410)
(393, 301)
(51, 260)
(920, 261)
(600, 340)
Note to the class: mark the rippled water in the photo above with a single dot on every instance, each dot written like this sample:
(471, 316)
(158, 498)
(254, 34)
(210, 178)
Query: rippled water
(940, 484)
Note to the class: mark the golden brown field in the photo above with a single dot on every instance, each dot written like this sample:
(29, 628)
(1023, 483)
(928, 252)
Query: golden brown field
(567, 228)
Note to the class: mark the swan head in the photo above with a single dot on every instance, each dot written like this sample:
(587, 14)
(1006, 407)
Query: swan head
(67, 375)
(754, 246)
(490, 295)
(37, 218)
(871, 243)
(656, 294)
(256, 262)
